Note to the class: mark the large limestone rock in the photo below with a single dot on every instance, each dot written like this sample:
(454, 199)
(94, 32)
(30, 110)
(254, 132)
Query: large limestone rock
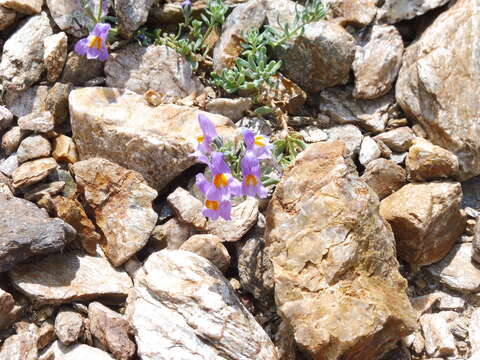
(131, 14)
(119, 126)
(393, 11)
(22, 58)
(26, 230)
(75, 352)
(426, 220)
(72, 276)
(158, 68)
(121, 203)
(183, 308)
(428, 87)
(336, 274)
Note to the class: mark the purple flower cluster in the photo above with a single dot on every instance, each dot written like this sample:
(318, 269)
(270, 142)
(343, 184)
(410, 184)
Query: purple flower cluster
(219, 192)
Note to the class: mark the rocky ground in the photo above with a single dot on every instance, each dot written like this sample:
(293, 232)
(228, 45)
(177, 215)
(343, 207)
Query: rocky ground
(366, 249)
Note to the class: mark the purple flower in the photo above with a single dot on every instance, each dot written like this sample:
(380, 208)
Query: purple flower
(216, 204)
(252, 182)
(95, 45)
(223, 181)
(259, 144)
(204, 141)
(186, 4)
(105, 5)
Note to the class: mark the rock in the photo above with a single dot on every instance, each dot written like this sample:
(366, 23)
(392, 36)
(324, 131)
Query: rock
(428, 90)
(334, 260)
(28, 7)
(78, 69)
(24, 103)
(349, 134)
(33, 147)
(112, 330)
(6, 118)
(64, 149)
(41, 122)
(9, 165)
(56, 102)
(244, 216)
(71, 17)
(22, 346)
(137, 68)
(121, 203)
(426, 161)
(287, 95)
(439, 340)
(131, 14)
(323, 45)
(398, 140)
(257, 125)
(25, 231)
(369, 151)
(7, 17)
(68, 326)
(384, 177)
(37, 192)
(340, 105)
(357, 13)
(255, 269)
(22, 59)
(32, 172)
(76, 352)
(9, 311)
(182, 307)
(210, 247)
(171, 235)
(231, 108)
(245, 17)
(46, 335)
(450, 302)
(426, 220)
(399, 158)
(55, 55)
(312, 134)
(393, 11)
(121, 127)
(474, 330)
(457, 270)
(476, 243)
(71, 276)
(377, 61)
(187, 208)
(11, 140)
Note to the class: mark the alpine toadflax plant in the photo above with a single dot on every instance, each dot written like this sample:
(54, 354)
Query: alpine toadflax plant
(95, 45)
(224, 186)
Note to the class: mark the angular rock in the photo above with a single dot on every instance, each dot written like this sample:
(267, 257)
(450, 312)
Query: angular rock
(26, 102)
(25, 231)
(369, 151)
(22, 58)
(22, 346)
(32, 172)
(476, 243)
(78, 69)
(64, 149)
(71, 276)
(231, 108)
(11, 140)
(384, 177)
(121, 127)
(9, 165)
(7, 17)
(210, 247)
(56, 102)
(75, 352)
(358, 13)
(112, 330)
(426, 220)
(426, 161)
(131, 14)
(40, 191)
(312, 134)
(121, 203)
(243, 18)
(439, 341)
(457, 271)
(474, 330)
(68, 326)
(428, 89)
(334, 260)
(71, 17)
(9, 311)
(324, 45)
(157, 68)
(340, 105)
(6, 118)
(171, 235)
(33, 147)
(55, 55)
(377, 61)
(450, 302)
(182, 307)
(393, 11)
(41, 122)
(398, 140)
(187, 208)
(349, 134)
(28, 7)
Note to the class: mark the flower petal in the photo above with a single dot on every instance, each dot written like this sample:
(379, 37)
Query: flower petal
(101, 30)
(202, 183)
(219, 166)
(248, 137)
(81, 46)
(207, 126)
(225, 210)
(103, 54)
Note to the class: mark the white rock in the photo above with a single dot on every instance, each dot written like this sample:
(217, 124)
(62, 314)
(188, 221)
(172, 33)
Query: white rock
(9, 165)
(369, 150)
(71, 17)
(6, 118)
(33, 147)
(439, 341)
(312, 134)
(68, 326)
(393, 11)
(450, 302)
(474, 330)
(349, 134)
(24, 103)
(57, 351)
(131, 14)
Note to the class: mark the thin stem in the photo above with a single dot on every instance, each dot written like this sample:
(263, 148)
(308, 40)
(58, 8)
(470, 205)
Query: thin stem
(100, 3)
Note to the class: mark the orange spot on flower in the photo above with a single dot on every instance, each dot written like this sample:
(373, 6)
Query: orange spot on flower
(212, 205)
(96, 41)
(259, 141)
(200, 139)
(251, 180)
(220, 180)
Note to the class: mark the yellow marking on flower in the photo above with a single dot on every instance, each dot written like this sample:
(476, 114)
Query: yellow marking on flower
(251, 180)
(212, 205)
(220, 180)
(259, 141)
(95, 41)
